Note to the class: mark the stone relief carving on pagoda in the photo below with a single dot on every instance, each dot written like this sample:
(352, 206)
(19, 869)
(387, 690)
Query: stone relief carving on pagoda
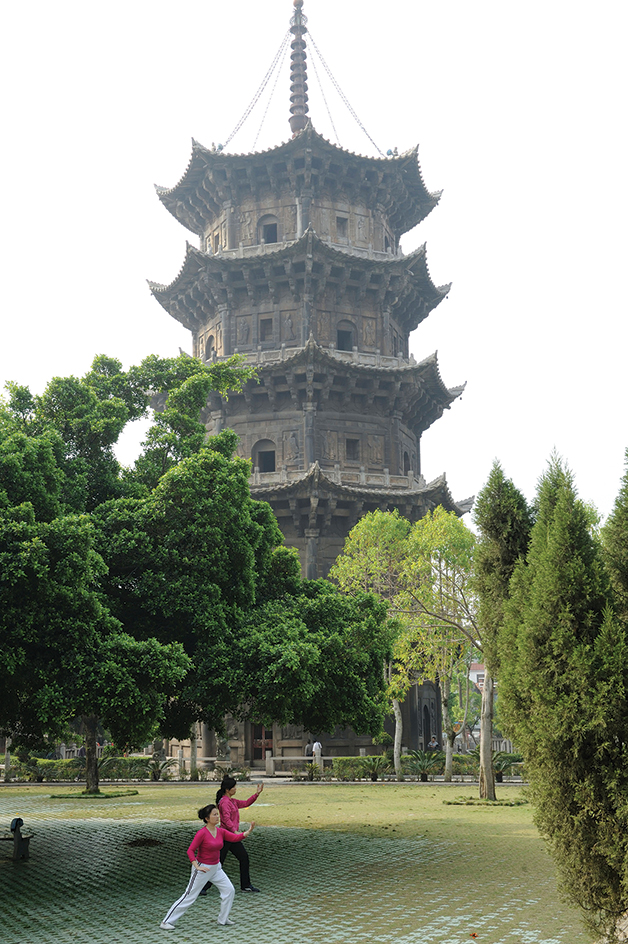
(329, 445)
(323, 325)
(376, 449)
(288, 327)
(246, 226)
(291, 445)
(244, 330)
(368, 332)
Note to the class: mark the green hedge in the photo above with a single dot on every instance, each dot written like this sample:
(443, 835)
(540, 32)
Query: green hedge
(38, 770)
(465, 765)
(348, 768)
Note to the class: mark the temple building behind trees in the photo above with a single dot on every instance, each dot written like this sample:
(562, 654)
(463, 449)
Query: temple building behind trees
(299, 269)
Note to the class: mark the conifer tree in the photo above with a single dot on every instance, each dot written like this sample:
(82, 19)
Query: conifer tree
(563, 684)
(504, 521)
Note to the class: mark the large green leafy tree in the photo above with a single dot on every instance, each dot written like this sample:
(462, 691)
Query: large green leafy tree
(63, 652)
(183, 565)
(563, 664)
(504, 521)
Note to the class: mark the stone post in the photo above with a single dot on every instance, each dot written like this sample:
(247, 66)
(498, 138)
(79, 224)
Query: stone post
(230, 219)
(311, 553)
(309, 416)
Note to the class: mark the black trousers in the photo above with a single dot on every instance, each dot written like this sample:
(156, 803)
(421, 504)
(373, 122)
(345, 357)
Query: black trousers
(237, 849)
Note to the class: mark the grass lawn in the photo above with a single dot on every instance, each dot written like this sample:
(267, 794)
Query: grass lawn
(484, 869)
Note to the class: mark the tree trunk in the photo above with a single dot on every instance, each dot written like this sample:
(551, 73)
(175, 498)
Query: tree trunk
(449, 735)
(487, 776)
(91, 760)
(398, 734)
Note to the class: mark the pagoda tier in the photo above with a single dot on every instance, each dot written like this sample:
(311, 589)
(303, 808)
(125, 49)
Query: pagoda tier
(389, 191)
(316, 509)
(359, 390)
(306, 287)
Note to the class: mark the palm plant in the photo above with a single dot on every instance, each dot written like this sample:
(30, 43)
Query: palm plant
(158, 769)
(423, 762)
(374, 765)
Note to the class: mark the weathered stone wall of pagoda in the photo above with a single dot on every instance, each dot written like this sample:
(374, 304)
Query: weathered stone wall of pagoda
(281, 218)
(353, 440)
(267, 325)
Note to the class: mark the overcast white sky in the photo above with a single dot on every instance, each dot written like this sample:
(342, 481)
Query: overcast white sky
(520, 113)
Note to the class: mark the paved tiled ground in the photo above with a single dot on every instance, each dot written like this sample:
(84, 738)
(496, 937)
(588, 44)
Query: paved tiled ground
(85, 884)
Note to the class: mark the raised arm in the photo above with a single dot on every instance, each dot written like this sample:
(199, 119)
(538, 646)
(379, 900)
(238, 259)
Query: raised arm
(244, 803)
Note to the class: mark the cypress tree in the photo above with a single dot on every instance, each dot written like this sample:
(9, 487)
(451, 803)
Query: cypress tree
(563, 684)
(504, 521)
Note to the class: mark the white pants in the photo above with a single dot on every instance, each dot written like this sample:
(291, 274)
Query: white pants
(217, 877)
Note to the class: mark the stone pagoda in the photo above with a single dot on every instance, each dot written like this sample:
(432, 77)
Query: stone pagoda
(299, 269)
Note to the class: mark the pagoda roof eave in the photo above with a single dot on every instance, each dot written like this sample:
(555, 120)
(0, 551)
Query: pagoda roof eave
(436, 491)
(427, 367)
(418, 281)
(406, 165)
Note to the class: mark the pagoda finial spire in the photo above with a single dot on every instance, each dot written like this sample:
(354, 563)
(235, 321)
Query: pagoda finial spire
(298, 70)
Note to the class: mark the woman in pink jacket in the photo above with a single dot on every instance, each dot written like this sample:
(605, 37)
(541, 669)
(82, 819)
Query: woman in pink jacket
(230, 819)
(204, 854)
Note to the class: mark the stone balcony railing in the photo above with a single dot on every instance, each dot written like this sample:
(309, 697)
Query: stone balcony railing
(262, 249)
(364, 359)
(341, 477)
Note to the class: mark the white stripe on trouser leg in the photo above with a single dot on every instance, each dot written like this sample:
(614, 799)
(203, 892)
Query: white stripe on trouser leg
(217, 877)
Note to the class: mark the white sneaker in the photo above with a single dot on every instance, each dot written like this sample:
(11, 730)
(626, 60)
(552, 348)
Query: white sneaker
(166, 927)
(224, 923)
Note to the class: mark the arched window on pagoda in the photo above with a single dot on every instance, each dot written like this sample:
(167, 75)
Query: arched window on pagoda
(268, 229)
(406, 463)
(346, 335)
(210, 348)
(263, 455)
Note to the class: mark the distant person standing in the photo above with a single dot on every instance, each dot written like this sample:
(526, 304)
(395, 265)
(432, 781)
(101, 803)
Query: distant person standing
(230, 820)
(317, 751)
(308, 749)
